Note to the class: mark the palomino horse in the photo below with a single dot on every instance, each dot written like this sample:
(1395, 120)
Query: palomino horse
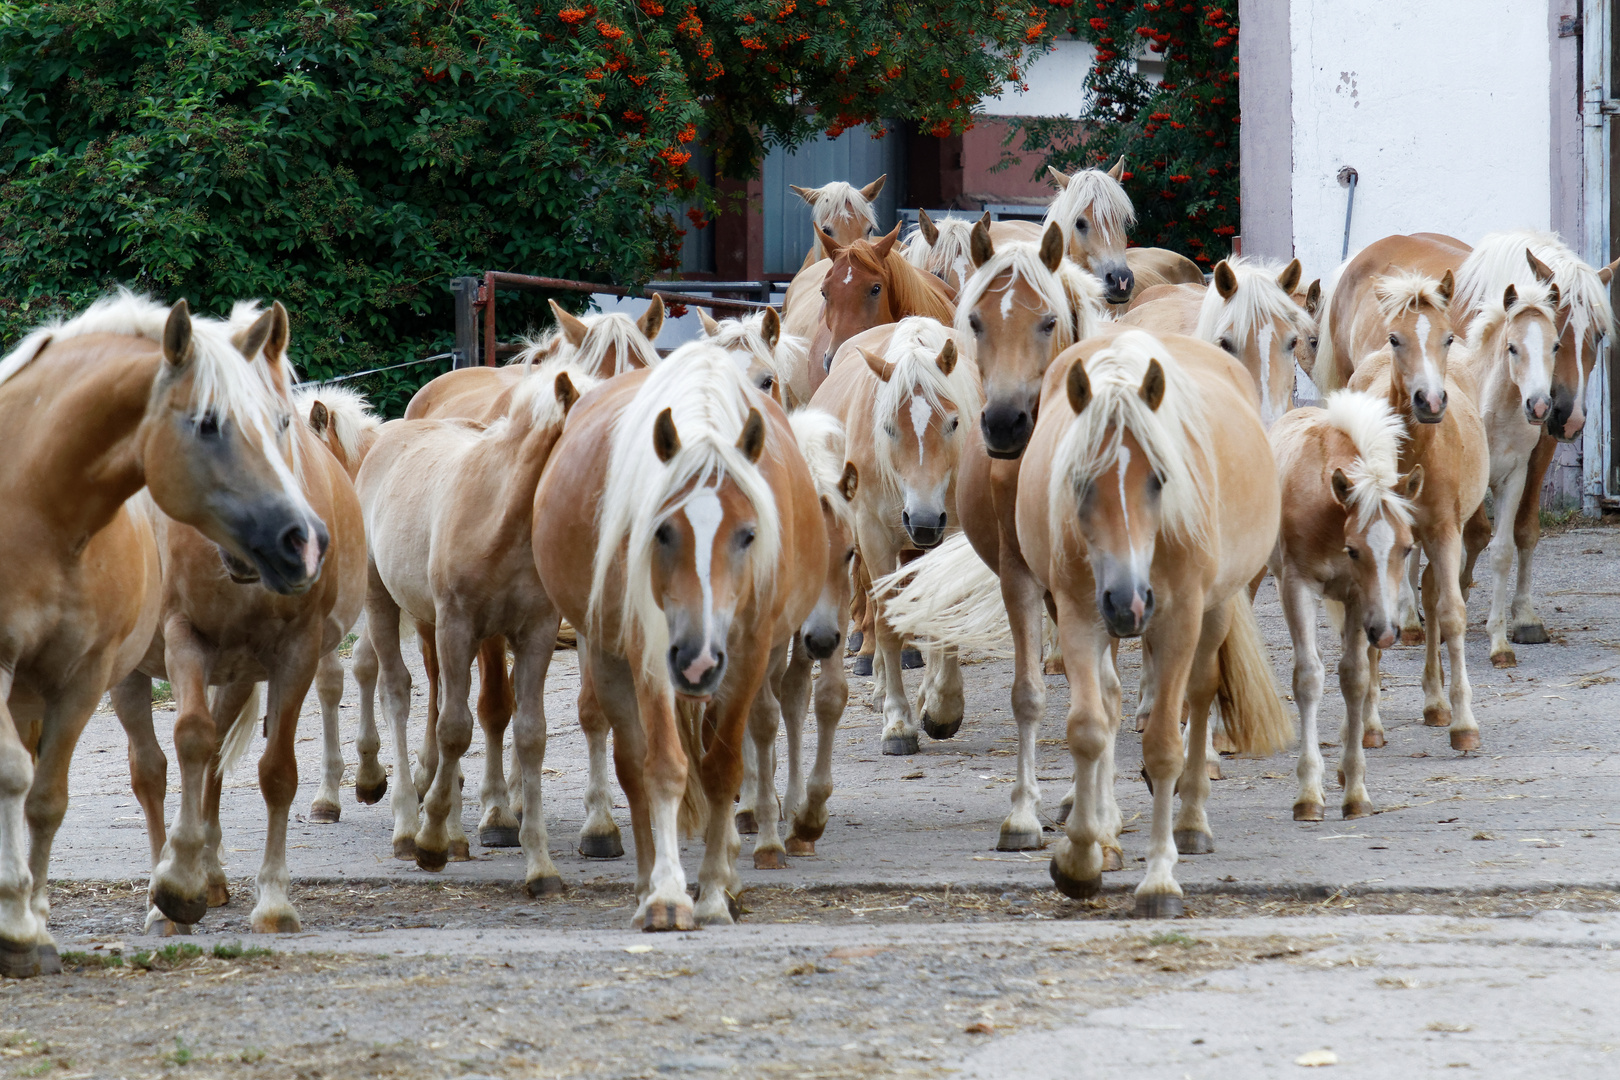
(841, 209)
(1146, 504)
(903, 407)
(678, 529)
(943, 248)
(776, 363)
(222, 626)
(1022, 307)
(125, 395)
(1395, 328)
(1345, 537)
(1585, 318)
(448, 507)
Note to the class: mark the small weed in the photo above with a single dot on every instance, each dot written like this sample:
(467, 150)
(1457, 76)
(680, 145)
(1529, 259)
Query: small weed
(91, 960)
(251, 1055)
(1557, 519)
(173, 954)
(182, 1053)
(1174, 938)
(235, 950)
(39, 1068)
(346, 648)
(162, 693)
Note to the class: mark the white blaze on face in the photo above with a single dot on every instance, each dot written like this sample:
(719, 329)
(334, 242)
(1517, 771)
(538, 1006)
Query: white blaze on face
(1538, 378)
(1380, 541)
(1006, 305)
(920, 412)
(704, 513)
(1262, 341)
(1428, 370)
(849, 275)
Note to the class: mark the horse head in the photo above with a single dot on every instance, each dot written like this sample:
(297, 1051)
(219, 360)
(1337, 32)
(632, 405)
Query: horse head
(1094, 214)
(1416, 311)
(1377, 541)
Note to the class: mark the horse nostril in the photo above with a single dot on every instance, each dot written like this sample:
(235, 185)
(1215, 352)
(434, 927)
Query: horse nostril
(292, 541)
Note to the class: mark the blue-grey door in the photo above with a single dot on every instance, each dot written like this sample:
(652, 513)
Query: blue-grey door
(854, 157)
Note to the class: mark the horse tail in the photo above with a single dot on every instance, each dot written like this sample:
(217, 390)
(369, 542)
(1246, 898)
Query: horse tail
(1325, 372)
(693, 815)
(238, 738)
(949, 596)
(1335, 614)
(1252, 712)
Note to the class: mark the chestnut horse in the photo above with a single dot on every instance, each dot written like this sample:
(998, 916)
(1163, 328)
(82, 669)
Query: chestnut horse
(843, 210)
(678, 529)
(127, 394)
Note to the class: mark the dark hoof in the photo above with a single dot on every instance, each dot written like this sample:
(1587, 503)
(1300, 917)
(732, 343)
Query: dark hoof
(1073, 888)
(1113, 859)
(910, 659)
(1159, 906)
(1357, 809)
(1063, 812)
(602, 847)
(460, 851)
(405, 848)
(181, 909)
(1307, 811)
(1018, 841)
(371, 795)
(324, 813)
(669, 917)
(770, 859)
(1411, 637)
(542, 887)
(1372, 740)
(49, 962)
(856, 640)
(940, 731)
(1193, 842)
(219, 894)
(433, 861)
(498, 836)
(1532, 634)
(900, 745)
(1506, 658)
(863, 666)
(1436, 716)
(747, 823)
(1465, 740)
(18, 961)
(800, 848)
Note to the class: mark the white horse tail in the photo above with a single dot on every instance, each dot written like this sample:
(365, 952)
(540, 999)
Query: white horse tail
(1335, 614)
(1252, 712)
(239, 736)
(1325, 372)
(693, 815)
(950, 597)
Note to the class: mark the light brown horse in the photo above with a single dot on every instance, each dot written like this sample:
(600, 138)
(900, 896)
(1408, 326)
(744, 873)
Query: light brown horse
(842, 210)
(943, 248)
(679, 530)
(127, 394)
(1146, 504)
(1345, 537)
(222, 626)
(776, 363)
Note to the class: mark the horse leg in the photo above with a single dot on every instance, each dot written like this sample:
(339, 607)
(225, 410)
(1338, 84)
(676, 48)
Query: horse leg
(498, 827)
(1411, 617)
(1054, 649)
(1453, 613)
(454, 643)
(662, 770)
(1527, 625)
(325, 809)
(721, 771)
(793, 692)
(611, 688)
(1354, 668)
(20, 928)
(810, 819)
(764, 720)
(599, 838)
(1507, 495)
(940, 702)
(1144, 689)
(1300, 610)
(148, 767)
(1372, 725)
(865, 621)
(530, 662)
(1476, 537)
(1191, 832)
(899, 728)
(179, 885)
(382, 632)
(1436, 712)
(290, 677)
(370, 779)
(749, 807)
(1177, 643)
(427, 755)
(1078, 858)
(1113, 821)
(233, 704)
(1026, 612)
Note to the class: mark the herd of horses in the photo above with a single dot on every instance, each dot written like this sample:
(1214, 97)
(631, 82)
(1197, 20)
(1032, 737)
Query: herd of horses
(989, 435)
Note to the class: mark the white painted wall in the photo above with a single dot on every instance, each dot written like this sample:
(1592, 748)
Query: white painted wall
(1057, 84)
(1442, 108)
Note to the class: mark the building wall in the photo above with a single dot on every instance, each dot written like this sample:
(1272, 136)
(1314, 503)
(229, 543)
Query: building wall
(1056, 81)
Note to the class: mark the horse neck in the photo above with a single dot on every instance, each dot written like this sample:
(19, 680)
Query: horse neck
(518, 456)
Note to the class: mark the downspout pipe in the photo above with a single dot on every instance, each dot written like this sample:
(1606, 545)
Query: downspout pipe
(1348, 178)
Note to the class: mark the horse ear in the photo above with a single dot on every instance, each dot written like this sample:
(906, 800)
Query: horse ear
(1078, 387)
(563, 387)
(752, 440)
(1153, 385)
(829, 244)
(809, 195)
(947, 357)
(1313, 298)
(666, 440)
(980, 249)
(926, 226)
(1411, 485)
(1555, 295)
(1606, 274)
(1058, 177)
(1226, 282)
(870, 191)
(1542, 271)
(573, 329)
(1118, 171)
(1448, 284)
(849, 482)
(652, 320)
(1341, 487)
(1289, 278)
(710, 326)
(770, 328)
(880, 367)
(886, 245)
(318, 417)
(177, 334)
(250, 342)
(1510, 296)
(1052, 247)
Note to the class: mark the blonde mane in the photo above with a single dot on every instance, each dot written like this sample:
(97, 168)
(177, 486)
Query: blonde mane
(914, 350)
(1068, 291)
(911, 291)
(1407, 290)
(1111, 211)
(604, 330)
(954, 251)
(1498, 261)
(745, 337)
(840, 201)
(1175, 436)
(347, 410)
(535, 395)
(1259, 300)
(709, 400)
(1491, 317)
(1377, 434)
(822, 443)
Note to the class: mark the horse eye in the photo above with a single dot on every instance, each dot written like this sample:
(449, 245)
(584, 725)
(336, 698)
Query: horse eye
(664, 534)
(950, 425)
(1049, 324)
(1312, 340)
(766, 382)
(975, 323)
(1449, 339)
(876, 288)
(1352, 552)
(891, 431)
(849, 556)
(286, 422)
(1293, 343)
(208, 425)
(1226, 343)
(1395, 341)
(745, 536)
(1082, 224)
(1155, 483)
(1557, 345)
(1513, 350)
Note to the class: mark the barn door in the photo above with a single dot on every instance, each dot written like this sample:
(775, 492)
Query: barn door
(1600, 102)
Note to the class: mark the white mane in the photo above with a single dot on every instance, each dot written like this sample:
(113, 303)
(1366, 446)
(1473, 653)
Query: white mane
(1499, 261)
(1111, 210)
(709, 401)
(953, 252)
(604, 330)
(744, 339)
(347, 411)
(821, 441)
(1258, 301)
(838, 201)
(1407, 290)
(1175, 436)
(1067, 291)
(914, 350)
(1377, 433)
(535, 395)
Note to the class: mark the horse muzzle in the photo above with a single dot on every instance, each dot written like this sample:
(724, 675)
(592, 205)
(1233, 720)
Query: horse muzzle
(1118, 282)
(1537, 409)
(1559, 421)
(1380, 635)
(1125, 608)
(1006, 429)
(287, 554)
(926, 529)
(695, 670)
(1429, 407)
(822, 642)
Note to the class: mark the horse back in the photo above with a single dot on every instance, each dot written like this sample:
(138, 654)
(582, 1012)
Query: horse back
(1355, 324)
(470, 393)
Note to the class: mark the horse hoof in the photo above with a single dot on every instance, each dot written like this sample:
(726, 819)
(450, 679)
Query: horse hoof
(940, 731)
(1436, 716)
(1073, 888)
(405, 848)
(1159, 906)
(432, 861)
(910, 660)
(219, 894)
(664, 916)
(498, 836)
(900, 745)
(770, 859)
(1372, 740)
(1412, 637)
(18, 961)
(370, 794)
(863, 666)
(800, 848)
(1359, 808)
(1505, 658)
(1465, 740)
(1307, 811)
(1113, 859)
(180, 909)
(747, 824)
(1530, 634)
(602, 847)
(1212, 769)
(50, 962)
(856, 640)
(1193, 842)
(1054, 666)
(541, 887)
(1018, 841)
(286, 922)
(324, 813)
(460, 851)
